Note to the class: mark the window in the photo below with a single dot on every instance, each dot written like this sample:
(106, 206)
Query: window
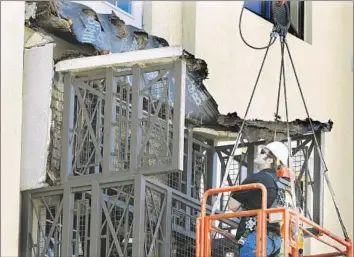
(123, 5)
(264, 9)
(131, 12)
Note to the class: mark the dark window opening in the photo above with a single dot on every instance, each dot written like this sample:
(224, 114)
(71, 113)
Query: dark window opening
(264, 10)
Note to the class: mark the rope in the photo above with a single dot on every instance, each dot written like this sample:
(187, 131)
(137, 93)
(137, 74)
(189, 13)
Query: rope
(227, 169)
(319, 150)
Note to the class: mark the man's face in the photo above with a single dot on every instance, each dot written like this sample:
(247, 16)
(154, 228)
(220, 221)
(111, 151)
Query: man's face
(262, 160)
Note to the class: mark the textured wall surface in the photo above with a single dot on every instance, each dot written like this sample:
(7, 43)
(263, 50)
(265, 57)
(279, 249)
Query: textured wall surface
(57, 104)
(11, 122)
(37, 97)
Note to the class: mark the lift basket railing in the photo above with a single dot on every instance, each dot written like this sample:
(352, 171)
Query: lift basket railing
(292, 222)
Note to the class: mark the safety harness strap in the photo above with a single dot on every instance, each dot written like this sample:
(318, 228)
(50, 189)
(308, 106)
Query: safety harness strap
(274, 254)
(282, 186)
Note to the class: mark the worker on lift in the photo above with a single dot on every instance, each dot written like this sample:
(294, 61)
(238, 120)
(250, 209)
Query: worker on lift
(272, 157)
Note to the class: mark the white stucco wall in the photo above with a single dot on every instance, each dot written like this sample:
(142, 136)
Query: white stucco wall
(210, 31)
(37, 93)
(157, 20)
(11, 119)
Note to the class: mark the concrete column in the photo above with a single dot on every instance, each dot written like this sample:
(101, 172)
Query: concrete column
(36, 113)
(12, 40)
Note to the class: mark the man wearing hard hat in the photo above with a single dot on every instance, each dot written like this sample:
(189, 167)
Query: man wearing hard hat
(272, 157)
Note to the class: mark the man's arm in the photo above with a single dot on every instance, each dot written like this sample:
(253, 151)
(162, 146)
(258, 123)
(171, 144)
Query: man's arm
(239, 197)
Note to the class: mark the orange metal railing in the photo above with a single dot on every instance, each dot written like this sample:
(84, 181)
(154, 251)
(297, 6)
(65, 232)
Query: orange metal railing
(289, 216)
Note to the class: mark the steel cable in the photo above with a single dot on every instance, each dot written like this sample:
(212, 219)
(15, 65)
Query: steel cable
(227, 169)
(319, 150)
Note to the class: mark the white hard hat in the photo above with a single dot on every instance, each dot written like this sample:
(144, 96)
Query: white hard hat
(279, 150)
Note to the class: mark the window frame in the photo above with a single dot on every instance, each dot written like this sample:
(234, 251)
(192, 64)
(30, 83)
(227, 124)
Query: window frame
(266, 7)
(104, 7)
(135, 18)
(116, 5)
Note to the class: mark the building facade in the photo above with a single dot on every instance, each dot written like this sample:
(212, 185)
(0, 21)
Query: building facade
(323, 60)
(209, 30)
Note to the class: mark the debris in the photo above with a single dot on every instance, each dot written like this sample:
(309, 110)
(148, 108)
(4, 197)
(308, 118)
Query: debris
(197, 67)
(36, 38)
(107, 33)
(258, 129)
(30, 12)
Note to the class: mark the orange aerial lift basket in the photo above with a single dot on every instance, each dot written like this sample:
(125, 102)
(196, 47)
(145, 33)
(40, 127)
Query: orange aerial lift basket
(289, 217)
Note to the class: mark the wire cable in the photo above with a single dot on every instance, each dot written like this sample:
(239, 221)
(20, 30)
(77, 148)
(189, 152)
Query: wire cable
(276, 117)
(329, 184)
(227, 169)
(280, 29)
(243, 39)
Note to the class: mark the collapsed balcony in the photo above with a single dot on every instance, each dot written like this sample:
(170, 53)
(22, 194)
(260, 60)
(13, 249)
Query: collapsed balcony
(133, 165)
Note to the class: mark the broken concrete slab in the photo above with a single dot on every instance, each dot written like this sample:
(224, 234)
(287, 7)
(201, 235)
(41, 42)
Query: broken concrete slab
(114, 36)
(36, 38)
(255, 130)
(106, 33)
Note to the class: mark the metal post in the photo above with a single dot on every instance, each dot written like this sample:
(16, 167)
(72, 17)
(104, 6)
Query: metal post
(68, 206)
(137, 108)
(189, 162)
(318, 179)
(139, 216)
(26, 224)
(210, 170)
(68, 120)
(215, 167)
(167, 225)
(178, 114)
(251, 149)
(96, 213)
(189, 173)
(306, 185)
(109, 117)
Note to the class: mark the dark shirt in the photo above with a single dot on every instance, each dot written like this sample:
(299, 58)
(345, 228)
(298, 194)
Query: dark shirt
(251, 199)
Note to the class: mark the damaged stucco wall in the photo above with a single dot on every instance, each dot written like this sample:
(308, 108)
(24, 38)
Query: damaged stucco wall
(54, 150)
(37, 98)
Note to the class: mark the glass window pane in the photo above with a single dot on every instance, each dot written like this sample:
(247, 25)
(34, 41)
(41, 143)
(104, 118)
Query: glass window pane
(125, 6)
(254, 6)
